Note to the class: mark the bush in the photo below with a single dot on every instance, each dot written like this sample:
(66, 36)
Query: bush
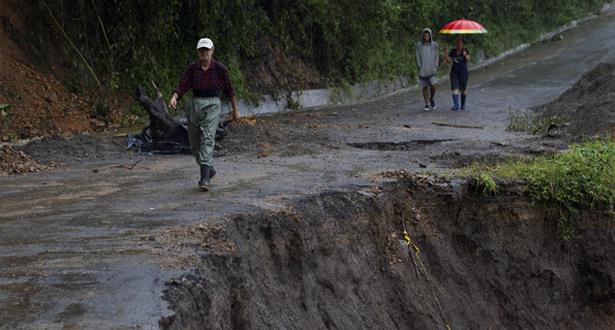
(581, 178)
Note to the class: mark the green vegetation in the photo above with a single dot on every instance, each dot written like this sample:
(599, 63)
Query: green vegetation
(579, 179)
(4, 109)
(526, 122)
(125, 43)
(519, 122)
(485, 184)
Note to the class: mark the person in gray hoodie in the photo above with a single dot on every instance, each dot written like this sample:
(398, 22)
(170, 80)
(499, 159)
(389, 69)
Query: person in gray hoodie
(428, 61)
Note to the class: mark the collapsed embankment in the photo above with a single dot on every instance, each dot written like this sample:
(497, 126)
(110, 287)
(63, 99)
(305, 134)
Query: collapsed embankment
(338, 260)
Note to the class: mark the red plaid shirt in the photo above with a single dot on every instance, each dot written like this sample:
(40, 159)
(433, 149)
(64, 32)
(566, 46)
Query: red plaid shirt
(205, 83)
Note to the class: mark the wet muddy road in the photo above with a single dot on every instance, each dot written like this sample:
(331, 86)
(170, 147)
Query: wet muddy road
(78, 246)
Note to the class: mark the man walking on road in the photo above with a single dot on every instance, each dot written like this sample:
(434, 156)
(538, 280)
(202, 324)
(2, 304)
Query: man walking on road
(428, 61)
(207, 78)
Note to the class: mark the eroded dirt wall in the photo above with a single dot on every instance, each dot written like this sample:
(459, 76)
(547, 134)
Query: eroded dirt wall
(337, 261)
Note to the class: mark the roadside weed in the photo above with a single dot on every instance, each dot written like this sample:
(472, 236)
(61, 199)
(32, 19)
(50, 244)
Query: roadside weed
(526, 122)
(485, 184)
(4, 109)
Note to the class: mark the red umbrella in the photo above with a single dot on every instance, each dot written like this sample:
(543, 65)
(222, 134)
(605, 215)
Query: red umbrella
(463, 26)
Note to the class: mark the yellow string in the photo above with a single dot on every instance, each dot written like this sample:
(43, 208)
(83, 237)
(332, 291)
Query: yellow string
(409, 242)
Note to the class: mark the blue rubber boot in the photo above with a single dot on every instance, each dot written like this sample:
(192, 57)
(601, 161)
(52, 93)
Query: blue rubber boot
(463, 101)
(455, 102)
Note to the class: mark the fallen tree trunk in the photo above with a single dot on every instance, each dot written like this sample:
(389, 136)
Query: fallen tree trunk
(157, 109)
(163, 134)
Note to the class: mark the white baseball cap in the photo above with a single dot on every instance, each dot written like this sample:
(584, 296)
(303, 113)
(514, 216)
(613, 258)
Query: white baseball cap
(205, 43)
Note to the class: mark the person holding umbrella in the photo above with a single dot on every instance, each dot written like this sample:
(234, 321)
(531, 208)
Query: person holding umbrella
(460, 56)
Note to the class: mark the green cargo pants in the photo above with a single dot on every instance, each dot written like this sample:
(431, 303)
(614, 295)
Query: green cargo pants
(203, 115)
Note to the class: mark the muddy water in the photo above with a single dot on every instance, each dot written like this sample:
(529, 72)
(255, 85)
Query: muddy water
(79, 248)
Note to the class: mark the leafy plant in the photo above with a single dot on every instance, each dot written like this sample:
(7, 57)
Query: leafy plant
(291, 103)
(3, 109)
(485, 184)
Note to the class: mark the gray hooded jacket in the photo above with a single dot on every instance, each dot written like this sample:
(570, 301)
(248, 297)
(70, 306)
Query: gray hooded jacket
(427, 57)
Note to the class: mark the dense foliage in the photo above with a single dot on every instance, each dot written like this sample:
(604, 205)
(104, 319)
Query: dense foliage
(128, 42)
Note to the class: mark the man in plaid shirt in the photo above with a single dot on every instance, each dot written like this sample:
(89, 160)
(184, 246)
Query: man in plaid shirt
(206, 78)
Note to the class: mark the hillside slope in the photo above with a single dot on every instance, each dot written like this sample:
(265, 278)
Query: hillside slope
(38, 103)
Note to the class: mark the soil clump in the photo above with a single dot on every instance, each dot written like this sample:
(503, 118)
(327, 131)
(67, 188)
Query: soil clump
(34, 101)
(282, 135)
(13, 161)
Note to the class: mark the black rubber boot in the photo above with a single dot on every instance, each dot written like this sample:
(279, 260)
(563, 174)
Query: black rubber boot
(205, 176)
(212, 172)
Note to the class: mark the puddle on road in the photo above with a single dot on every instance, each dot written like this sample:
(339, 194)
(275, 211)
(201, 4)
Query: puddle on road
(398, 146)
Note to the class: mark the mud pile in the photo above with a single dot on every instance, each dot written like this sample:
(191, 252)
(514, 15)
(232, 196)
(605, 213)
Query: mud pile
(76, 149)
(13, 161)
(339, 260)
(589, 106)
(287, 134)
(39, 104)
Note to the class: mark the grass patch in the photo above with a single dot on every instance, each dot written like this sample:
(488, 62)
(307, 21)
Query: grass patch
(567, 183)
(485, 184)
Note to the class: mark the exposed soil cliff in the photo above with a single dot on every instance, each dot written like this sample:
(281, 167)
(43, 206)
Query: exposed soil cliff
(338, 260)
